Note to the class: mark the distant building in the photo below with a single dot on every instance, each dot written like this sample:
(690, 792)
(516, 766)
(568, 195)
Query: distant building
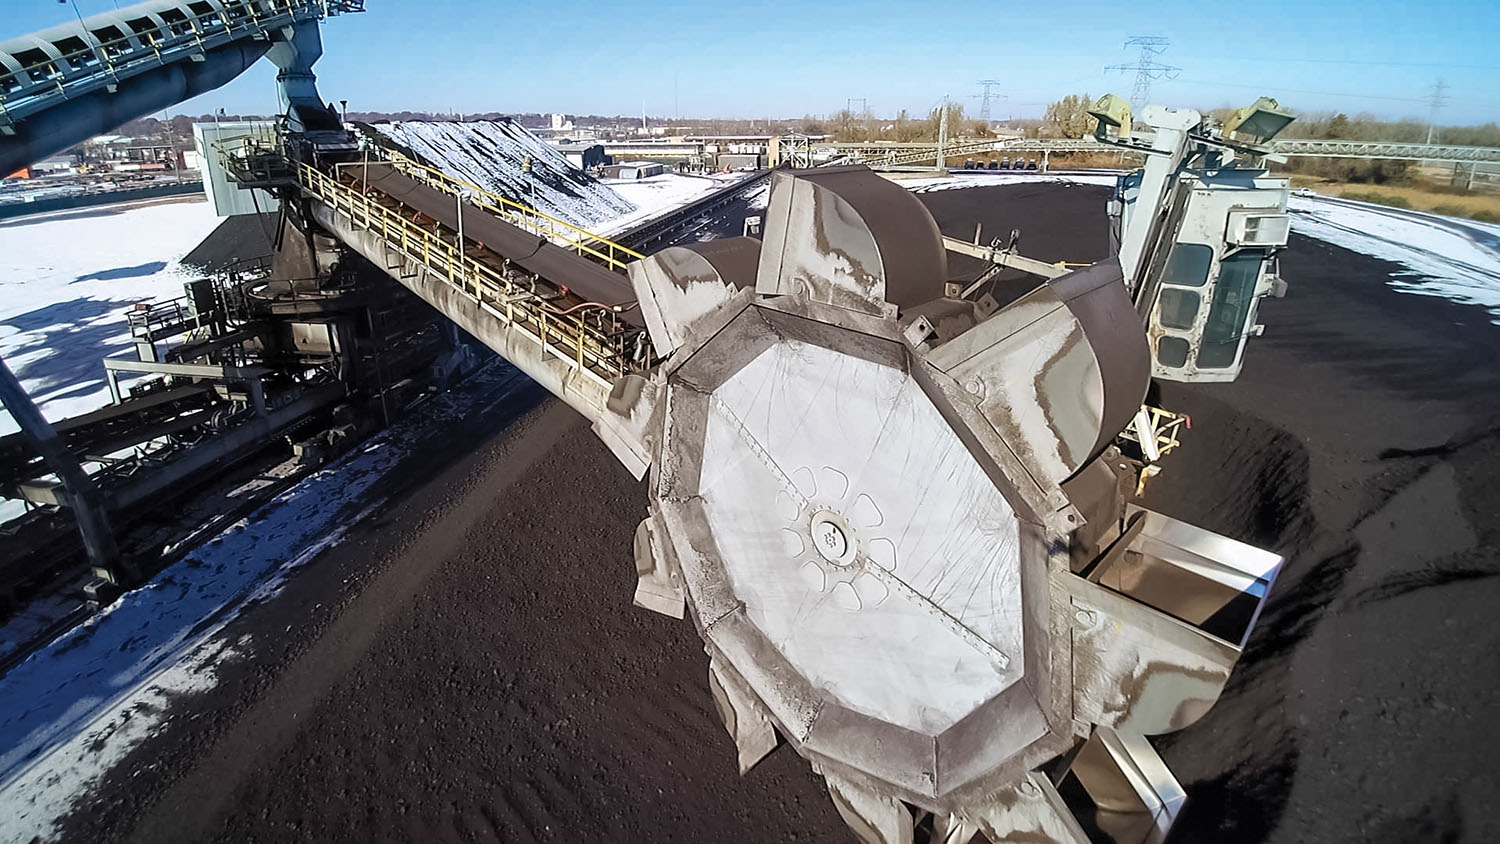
(739, 161)
(54, 166)
(581, 154)
(634, 170)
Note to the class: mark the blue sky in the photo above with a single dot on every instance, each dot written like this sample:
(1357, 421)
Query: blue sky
(793, 57)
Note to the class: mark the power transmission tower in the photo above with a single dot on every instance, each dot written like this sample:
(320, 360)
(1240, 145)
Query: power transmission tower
(1438, 99)
(989, 94)
(942, 148)
(1146, 67)
(863, 113)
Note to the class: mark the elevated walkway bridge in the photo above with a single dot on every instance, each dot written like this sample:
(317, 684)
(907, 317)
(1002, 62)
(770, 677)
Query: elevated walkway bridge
(63, 85)
(548, 296)
(885, 156)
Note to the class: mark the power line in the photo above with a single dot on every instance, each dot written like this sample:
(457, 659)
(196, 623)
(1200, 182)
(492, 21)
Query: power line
(1146, 67)
(1485, 106)
(1232, 59)
(1279, 90)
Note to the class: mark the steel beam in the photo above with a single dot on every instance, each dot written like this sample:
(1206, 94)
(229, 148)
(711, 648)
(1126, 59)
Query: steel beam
(187, 370)
(82, 495)
(1005, 259)
(891, 155)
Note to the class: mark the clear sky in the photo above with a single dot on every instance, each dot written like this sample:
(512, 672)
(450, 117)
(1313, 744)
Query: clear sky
(786, 58)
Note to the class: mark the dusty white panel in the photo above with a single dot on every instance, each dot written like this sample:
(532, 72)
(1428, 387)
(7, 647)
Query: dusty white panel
(887, 570)
(227, 198)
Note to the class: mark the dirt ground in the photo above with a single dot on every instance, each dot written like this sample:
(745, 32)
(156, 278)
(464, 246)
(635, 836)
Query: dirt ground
(467, 666)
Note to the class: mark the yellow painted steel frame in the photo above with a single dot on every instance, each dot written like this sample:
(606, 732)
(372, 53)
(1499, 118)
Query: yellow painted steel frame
(1166, 427)
(564, 234)
(569, 337)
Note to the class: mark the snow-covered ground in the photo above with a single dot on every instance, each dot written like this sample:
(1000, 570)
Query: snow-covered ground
(75, 708)
(659, 194)
(65, 284)
(1443, 256)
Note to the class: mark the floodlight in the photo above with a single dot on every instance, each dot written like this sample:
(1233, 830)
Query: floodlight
(1258, 122)
(1111, 111)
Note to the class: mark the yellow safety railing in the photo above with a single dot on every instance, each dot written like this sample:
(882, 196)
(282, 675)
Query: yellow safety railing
(568, 335)
(235, 152)
(562, 233)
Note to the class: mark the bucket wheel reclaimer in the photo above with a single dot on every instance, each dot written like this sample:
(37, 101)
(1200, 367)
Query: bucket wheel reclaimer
(897, 520)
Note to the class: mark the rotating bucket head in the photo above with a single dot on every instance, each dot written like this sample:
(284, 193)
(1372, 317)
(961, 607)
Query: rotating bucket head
(857, 493)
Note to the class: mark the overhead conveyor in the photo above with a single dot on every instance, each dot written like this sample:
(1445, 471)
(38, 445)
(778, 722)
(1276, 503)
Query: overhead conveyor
(535, 289)
(67, 83)
(586, 281)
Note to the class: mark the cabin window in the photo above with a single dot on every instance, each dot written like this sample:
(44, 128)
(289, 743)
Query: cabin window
(1171, 351)
(112, 40)
(74, 52)
(1178, 308)
(38, 64)
(1188, 264)
(1234, 293)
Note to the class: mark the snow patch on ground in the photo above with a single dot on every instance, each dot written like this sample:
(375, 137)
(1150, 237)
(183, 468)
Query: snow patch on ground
(1443, 256)
(492, 154)
(659, 194)
(76, 708)
(44, 794)
(66, 283)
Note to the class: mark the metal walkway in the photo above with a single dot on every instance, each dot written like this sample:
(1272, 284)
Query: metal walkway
(541, 292)
(878, 156)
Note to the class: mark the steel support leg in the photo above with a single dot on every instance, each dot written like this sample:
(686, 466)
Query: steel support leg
(87, 504)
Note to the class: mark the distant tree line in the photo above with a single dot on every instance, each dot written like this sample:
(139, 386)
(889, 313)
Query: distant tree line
(1065, 118)
(847, 126)
(1367, 127)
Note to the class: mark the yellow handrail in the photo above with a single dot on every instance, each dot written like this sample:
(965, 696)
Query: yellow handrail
(567, 336)
(580, 240)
